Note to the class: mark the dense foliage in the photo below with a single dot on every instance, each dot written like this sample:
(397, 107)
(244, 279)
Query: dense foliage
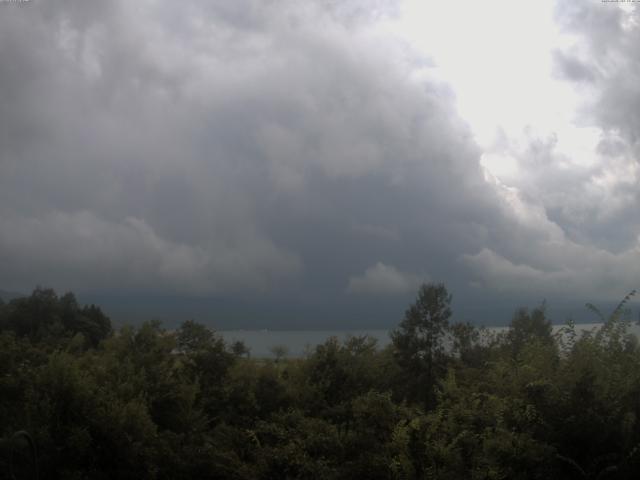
(445, 401)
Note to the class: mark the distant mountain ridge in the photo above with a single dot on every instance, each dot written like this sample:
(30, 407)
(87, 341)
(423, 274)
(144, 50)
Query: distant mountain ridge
(8, 296)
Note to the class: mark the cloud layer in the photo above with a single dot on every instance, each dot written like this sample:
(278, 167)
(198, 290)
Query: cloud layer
(251, 148)
(381, 279)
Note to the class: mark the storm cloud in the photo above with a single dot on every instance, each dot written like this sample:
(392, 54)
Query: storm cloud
(278, 150)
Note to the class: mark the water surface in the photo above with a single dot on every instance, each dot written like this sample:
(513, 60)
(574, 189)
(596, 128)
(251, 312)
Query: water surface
(298, 342)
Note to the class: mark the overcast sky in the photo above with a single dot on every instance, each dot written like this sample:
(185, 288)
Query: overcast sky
(310, 163)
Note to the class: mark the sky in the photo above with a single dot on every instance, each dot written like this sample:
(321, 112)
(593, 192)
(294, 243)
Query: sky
(288, 164)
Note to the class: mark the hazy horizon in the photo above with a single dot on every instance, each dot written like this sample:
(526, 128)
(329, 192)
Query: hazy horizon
(231, 314)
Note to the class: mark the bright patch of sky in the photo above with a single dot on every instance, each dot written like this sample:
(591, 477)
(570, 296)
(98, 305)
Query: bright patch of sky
(497, 56)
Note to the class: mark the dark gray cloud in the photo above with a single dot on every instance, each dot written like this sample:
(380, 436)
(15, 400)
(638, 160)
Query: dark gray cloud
(605, 52)
(381, 279)
(263, 150)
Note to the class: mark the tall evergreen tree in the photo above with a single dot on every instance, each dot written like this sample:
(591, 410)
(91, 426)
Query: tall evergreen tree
(419, 341)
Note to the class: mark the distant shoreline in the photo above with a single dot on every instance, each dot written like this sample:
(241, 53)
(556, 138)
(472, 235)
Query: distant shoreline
(297, 342)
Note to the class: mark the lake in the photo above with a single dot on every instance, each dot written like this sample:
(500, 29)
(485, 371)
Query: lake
(298, 342)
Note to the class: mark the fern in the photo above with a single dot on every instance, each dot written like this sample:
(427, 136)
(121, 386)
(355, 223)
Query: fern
(595, 310)
(619, 309)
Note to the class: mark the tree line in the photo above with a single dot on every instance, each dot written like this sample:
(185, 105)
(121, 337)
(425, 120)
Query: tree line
(442, 401)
